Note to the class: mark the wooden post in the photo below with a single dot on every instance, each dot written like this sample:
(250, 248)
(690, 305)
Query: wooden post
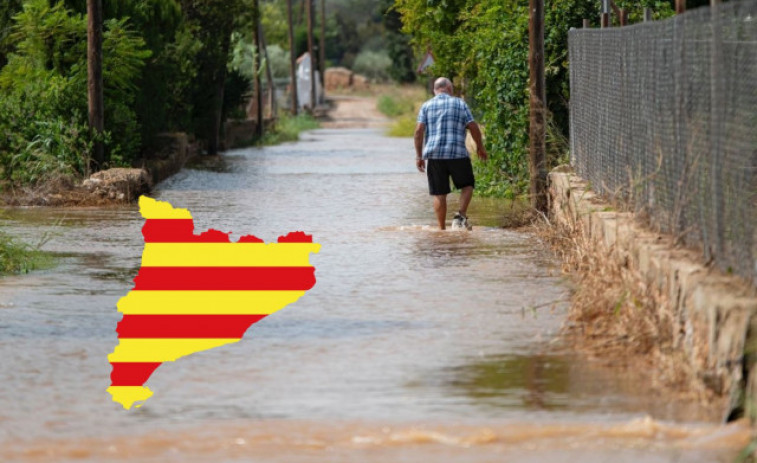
(647, 14)
(587, 23)
(680, 6)
(257, 91)
(604, 19)
(95, 80)
(322, 50)
(623, 16)
(537, 126)
(309, 8)
(292, 60)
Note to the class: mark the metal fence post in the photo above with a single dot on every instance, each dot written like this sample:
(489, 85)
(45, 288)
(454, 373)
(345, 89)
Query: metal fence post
(717, 123)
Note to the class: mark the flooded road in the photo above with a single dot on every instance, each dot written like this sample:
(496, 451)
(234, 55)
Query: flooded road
(414, 345)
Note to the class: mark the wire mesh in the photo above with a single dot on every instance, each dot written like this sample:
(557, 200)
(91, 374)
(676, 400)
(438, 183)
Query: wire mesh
(664, 118)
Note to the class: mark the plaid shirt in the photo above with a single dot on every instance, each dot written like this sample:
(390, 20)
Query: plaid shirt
(445, 118)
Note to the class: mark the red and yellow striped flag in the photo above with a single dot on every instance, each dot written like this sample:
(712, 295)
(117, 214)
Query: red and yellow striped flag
(197, 292)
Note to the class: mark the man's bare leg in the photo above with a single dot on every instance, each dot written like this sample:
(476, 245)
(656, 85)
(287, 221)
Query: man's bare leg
(440, 207)
(465, 196)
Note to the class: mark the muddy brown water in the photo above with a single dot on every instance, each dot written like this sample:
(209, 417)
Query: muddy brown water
(415, 345)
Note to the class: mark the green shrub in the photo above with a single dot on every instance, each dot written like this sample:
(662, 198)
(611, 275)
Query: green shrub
(404, 126)
(43, 94)
(393, 106)
(288, 128)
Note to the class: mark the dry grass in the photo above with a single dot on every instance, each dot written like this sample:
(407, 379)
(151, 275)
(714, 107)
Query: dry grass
(618, 318)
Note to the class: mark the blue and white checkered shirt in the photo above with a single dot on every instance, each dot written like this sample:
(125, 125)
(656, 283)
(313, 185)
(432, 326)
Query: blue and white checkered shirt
(445, 118)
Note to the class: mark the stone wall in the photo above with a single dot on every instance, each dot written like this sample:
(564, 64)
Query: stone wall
(171, 152)
(714, 314)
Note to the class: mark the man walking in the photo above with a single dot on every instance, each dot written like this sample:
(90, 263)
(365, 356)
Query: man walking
(442, 122)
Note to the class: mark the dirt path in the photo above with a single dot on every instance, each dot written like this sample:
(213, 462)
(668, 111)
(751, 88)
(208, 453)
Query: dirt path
(350, 112)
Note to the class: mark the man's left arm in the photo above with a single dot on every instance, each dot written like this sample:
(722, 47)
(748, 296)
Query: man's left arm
(475, 132)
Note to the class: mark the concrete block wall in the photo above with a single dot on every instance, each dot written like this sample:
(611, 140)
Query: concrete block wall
(714, 316)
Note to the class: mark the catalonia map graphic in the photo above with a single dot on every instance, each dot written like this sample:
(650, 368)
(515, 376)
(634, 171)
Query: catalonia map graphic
(198, 292)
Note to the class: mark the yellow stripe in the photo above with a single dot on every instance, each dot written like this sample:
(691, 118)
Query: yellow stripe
(127, 395)
(152, 209)
(162, 350)
(206, 302)
(228, 254)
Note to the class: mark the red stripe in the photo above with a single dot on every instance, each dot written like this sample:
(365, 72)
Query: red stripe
(225, 278)
(131, 374)
(180, 231)
(296, 237)
(185, 326)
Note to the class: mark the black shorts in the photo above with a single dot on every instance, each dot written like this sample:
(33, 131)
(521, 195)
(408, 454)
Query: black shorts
(440, 170)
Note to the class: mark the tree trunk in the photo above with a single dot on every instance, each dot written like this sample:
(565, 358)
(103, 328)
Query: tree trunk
(292, 59)
(322, 50)
(310, 52)
(95, 81)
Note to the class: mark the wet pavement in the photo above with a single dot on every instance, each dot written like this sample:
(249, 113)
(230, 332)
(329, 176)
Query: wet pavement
(414, 345)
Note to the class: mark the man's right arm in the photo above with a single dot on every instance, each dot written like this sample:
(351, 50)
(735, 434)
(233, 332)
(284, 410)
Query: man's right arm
(420, 130)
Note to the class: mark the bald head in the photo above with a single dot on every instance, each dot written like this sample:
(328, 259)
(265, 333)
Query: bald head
(442, 85)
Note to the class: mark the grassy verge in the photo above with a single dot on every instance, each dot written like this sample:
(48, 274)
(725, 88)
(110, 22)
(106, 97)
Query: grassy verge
(402, 105)
(18, 257)
(288, 128)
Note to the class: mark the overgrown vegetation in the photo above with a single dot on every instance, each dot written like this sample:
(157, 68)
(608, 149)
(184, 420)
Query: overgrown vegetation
(483, 46)
(169, 65)
(614, 314)
(19, 257)
(43, 109)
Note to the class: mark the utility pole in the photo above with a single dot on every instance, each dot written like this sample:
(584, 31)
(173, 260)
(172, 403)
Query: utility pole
(309, 7)
(537, 126)
(292, 59)
(95, 80)
(257, 91)
(322, 49)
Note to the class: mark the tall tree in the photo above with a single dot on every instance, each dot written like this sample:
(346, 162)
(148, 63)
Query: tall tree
(212, 22)
(398, 45)
(8, 9)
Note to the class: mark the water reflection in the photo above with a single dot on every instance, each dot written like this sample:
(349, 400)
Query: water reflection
(539, 382)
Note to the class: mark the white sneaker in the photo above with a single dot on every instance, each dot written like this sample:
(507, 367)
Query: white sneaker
(460, 222)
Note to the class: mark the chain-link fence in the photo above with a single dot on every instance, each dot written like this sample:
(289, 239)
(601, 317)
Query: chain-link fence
(664, 118)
